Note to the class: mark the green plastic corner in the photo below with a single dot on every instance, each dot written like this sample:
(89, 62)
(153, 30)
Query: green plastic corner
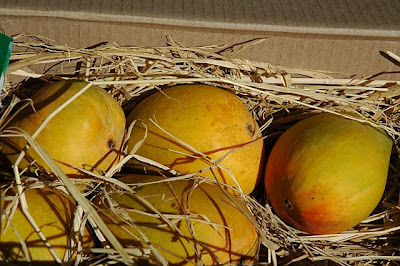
(6, 43)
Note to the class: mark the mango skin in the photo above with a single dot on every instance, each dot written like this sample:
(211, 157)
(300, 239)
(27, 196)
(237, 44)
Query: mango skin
(211, 120)
(83, 134)
(53, 211)
(326, 173)
(238, 243)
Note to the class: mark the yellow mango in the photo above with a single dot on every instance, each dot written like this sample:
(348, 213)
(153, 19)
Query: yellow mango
(210, 119)
(53, 212)
(84, 134)
(222, 233)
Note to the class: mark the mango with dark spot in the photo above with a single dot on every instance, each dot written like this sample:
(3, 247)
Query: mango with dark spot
(211, 120)
(327, 173)
(87, 133)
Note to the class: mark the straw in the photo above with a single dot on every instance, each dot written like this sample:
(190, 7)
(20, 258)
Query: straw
(277, 96)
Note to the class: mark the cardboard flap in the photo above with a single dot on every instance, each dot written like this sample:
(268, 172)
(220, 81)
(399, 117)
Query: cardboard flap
(346, 36)
(372, 18)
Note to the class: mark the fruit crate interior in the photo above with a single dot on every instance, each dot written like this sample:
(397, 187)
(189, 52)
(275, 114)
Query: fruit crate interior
(277, 98)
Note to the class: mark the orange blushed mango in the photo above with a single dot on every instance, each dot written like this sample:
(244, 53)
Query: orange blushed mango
(327, 173)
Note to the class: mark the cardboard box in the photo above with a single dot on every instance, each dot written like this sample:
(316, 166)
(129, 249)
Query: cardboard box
(344, 38)
(338, 36)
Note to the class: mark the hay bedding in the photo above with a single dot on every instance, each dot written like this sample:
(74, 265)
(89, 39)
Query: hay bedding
(276, 96)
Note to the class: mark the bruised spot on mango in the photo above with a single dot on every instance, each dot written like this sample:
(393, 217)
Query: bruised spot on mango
(288, 204)
(250, 129)
(111, 144)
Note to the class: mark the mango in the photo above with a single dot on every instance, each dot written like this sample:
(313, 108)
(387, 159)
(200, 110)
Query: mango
(327, 173)
(207, 220)
(53, 212)
(210, 119)
(85, 134)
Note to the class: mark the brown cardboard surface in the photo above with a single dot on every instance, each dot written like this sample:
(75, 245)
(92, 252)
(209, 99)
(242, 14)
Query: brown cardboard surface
(340, 36)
